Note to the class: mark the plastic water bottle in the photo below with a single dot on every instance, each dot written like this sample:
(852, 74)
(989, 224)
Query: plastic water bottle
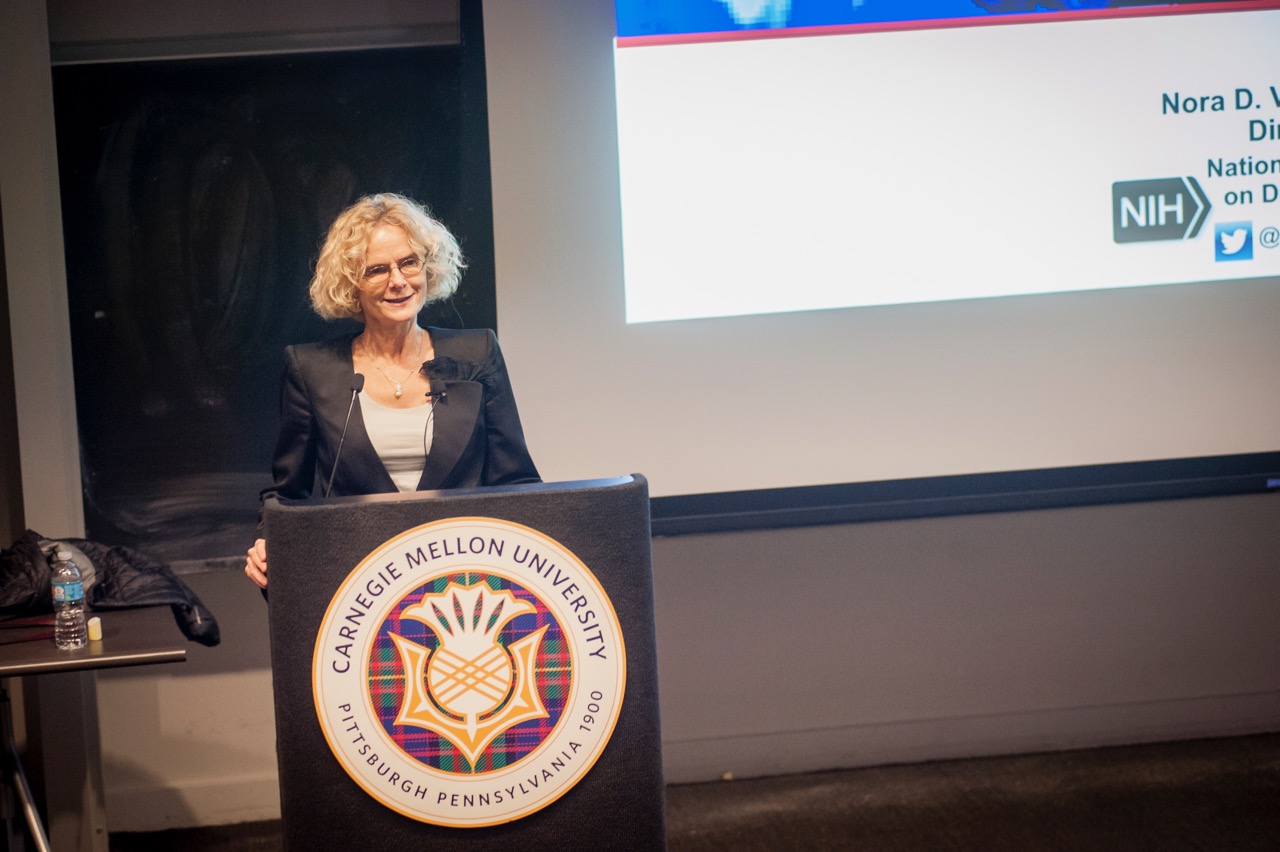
(69, 630)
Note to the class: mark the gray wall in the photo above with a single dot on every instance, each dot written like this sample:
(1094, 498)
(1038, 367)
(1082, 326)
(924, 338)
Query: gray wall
(893, 642)
(827, 647)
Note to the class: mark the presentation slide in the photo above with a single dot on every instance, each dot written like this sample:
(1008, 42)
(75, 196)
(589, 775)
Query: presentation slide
(757, 245)
(1085, 151)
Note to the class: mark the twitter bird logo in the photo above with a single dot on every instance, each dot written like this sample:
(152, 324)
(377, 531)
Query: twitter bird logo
(1233, 241)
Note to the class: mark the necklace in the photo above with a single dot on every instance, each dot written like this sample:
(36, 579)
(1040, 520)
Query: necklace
(399, 386)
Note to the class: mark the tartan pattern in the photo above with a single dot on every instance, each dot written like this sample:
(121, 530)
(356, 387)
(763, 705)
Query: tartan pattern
(554, 673)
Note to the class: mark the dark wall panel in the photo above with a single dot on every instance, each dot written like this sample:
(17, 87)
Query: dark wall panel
(195, 196)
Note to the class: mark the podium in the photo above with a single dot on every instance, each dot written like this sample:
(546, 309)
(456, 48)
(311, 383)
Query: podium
(468, 669)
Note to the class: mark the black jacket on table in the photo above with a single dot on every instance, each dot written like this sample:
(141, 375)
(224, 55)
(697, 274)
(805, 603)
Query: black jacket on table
(477, 439)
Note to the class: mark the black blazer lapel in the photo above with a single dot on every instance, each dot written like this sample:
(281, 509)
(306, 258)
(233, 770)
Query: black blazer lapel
(359, 469)
(365, 459)
(457, 420)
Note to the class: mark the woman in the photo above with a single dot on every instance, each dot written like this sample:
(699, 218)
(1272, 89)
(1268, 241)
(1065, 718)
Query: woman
(432, 407)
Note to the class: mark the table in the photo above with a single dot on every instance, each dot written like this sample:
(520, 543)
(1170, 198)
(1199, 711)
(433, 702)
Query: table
(133, 637)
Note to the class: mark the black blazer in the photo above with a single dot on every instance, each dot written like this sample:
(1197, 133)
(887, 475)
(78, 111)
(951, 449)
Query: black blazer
(477, 437)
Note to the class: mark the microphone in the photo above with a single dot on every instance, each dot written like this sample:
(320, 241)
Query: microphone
(437, 392)
(357, 385)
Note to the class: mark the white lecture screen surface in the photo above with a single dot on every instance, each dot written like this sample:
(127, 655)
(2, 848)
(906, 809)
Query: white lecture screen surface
(888, 163)
(771, 262)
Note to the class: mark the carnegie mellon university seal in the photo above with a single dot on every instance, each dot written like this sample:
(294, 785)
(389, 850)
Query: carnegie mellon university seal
(469, 672)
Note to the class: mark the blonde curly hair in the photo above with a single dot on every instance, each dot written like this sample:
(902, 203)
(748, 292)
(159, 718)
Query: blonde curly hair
(336, 283)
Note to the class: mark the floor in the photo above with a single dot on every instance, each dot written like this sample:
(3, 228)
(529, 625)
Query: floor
(1221, 794)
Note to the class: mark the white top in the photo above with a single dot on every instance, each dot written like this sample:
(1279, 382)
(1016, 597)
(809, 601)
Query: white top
(402, 437)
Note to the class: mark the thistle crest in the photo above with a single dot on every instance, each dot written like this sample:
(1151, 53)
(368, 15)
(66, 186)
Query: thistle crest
(471, 689)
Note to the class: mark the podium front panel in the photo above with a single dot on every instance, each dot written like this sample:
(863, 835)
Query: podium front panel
(314, 549)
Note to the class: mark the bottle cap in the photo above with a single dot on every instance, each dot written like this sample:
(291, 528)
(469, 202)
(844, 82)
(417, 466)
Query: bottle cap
(64, 555)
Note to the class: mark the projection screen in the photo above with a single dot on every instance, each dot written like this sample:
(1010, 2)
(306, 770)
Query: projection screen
(889, 248)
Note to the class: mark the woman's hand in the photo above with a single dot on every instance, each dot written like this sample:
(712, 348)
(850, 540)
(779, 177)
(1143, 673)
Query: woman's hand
(255, 567)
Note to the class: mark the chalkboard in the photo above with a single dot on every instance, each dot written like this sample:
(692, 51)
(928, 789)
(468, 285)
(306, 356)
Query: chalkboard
(195, 194)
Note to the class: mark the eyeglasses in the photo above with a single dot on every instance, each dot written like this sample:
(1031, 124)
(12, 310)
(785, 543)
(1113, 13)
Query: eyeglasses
(410, 267)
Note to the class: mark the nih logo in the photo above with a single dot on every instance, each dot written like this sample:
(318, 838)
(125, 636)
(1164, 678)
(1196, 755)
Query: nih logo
(1160, 209)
